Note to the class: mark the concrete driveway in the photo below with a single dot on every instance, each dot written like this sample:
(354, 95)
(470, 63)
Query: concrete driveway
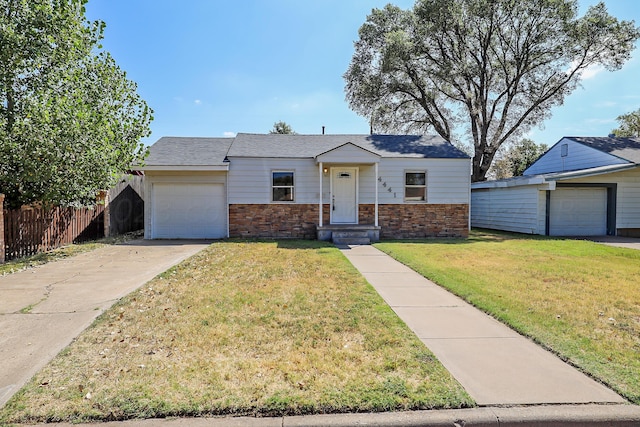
(44, 308)
(622, 242)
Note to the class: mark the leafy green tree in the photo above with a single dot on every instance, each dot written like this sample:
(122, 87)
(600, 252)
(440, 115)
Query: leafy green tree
(487, 69)
(70, 120)
(282, 128)
(629, 125)
(517, 158)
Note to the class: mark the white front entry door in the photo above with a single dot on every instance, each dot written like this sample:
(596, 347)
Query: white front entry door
(344, 195)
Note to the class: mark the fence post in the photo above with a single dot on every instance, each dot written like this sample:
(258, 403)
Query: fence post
(2, 248)
(104, 196)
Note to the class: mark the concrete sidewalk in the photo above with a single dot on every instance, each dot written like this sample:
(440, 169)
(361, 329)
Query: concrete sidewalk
(493, 363)
(537, 416)
(44, 308)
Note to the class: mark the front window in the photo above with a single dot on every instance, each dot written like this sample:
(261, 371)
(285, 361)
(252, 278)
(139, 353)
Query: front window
(415, 186)
(282, 186)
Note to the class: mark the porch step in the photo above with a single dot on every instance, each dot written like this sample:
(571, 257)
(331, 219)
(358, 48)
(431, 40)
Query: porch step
(351, 237)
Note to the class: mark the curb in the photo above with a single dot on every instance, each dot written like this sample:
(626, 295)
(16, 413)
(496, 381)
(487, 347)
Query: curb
(624, 415)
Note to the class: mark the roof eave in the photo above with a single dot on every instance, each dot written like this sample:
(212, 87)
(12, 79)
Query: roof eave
(174, 168)
(590, 172)
(503, 183)
(552, 178)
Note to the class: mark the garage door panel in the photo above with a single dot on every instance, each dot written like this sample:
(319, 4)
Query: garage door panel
(578, 212)
(189, 211)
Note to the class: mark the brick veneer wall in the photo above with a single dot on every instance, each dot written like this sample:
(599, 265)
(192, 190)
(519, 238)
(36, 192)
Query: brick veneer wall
(418, 220)
(396, 221)
(273, 220)
(423, 220)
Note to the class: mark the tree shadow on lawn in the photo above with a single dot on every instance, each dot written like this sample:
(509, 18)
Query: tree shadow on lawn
(302, 244)
(477, 235)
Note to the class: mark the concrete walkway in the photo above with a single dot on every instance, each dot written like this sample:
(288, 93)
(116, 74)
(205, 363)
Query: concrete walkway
(44, 308)
(531, 416)
(621, 242)
(493, 363)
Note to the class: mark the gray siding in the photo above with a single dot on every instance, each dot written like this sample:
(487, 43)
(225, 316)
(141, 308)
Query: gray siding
(250, 179)
(578, 157)
(448, 180)
(511, 209)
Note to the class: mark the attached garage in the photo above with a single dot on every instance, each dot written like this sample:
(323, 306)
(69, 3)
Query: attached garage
(578, 211)
(186, 188)
(188, 211)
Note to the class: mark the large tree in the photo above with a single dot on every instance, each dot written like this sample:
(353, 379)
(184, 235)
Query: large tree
(516, 158)
(485, 69)
(629, 125)
(282, 128)
(70, 119)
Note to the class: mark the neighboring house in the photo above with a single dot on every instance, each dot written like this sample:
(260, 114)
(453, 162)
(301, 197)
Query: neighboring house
(306, 186)
(581, 186)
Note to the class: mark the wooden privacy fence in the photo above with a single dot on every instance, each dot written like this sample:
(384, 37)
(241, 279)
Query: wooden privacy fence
(28, 231)
(33, 230)
(126, 205)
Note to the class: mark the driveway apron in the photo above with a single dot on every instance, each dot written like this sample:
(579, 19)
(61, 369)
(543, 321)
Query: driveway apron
(44, 308)
(496, 365)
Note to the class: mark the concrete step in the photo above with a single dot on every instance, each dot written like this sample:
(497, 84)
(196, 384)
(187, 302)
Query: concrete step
(350, 234)
(351, 237)
(351, 240)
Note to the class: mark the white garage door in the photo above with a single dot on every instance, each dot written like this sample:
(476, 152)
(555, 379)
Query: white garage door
(189, 211)
(578, 212)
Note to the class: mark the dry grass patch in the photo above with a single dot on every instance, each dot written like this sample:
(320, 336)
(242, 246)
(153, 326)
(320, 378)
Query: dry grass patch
(580, 299)
(246, 329)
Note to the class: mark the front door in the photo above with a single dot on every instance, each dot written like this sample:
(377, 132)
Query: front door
(344, 195)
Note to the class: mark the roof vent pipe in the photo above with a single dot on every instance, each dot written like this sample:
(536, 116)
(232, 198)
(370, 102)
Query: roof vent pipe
(323, 130)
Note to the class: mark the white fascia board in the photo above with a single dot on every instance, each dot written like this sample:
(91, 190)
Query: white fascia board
(504, 183)
(590, 172)
(205, 168)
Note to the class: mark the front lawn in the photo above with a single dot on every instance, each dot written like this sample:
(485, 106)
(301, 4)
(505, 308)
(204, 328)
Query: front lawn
(578, 298)
(258, 328)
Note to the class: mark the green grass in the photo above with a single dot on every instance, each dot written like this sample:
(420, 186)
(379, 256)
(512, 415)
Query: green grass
(257, 328)
(577, 298)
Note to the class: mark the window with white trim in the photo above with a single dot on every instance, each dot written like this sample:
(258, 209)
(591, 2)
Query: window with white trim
(415, 186)
(282, 186)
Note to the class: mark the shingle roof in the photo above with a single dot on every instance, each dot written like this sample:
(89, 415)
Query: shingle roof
(309, 146)
(625, 148)
(180, 151)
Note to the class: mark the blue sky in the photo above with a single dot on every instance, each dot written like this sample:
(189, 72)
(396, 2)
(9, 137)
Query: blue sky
(214, 67)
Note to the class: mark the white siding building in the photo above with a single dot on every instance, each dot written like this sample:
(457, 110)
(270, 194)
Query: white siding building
(579, 187)
(307, 186)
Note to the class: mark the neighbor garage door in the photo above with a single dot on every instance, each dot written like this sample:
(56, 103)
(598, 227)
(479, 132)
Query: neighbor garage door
(578, 212)
(189, 211)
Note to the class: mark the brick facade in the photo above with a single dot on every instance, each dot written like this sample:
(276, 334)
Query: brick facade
(423, 220)
(273, 220)
(396, 221)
